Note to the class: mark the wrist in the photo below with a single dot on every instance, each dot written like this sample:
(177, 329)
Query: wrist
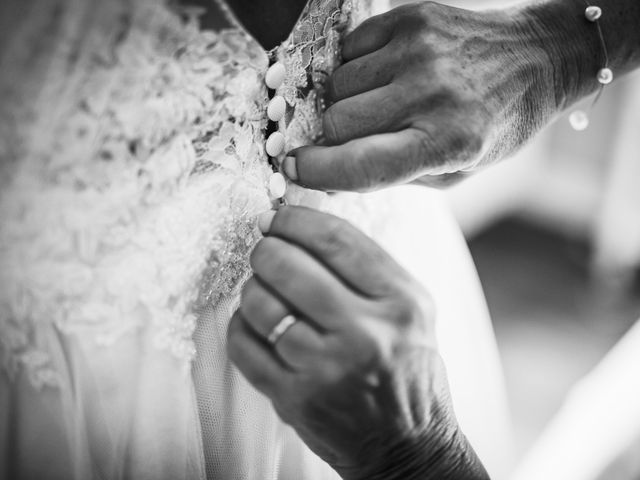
(572, 46)
(442, 453)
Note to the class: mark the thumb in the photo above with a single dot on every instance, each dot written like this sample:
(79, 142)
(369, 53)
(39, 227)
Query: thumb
(361, 165)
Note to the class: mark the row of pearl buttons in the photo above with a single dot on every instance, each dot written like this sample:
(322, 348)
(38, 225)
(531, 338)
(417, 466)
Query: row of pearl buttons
(275, 112)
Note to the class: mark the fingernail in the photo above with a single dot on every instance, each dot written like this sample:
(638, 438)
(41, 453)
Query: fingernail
(264, 220)
(289, 167)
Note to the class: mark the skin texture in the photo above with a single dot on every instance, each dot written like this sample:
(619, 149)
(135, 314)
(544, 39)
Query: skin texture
(358, 375)
(428, 92)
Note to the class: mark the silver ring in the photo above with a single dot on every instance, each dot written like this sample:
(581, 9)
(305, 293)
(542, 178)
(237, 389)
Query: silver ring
(280, 329)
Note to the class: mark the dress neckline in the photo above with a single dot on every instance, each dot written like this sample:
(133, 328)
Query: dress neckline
(233, 18)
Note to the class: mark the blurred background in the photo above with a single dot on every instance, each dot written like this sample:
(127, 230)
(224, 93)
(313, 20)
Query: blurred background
(555, 234)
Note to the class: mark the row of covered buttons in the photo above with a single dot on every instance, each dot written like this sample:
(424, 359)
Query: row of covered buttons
(275, 112)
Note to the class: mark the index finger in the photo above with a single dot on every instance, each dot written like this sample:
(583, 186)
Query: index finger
(371, 35)
(350, 254)
(255, 359)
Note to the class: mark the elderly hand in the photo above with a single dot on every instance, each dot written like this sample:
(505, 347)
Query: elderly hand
(426, 90)
(354, 367)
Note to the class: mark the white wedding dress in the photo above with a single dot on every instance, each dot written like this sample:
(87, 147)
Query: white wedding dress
(132, 170)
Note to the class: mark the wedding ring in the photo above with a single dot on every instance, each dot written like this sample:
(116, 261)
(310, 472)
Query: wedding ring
(280, 329)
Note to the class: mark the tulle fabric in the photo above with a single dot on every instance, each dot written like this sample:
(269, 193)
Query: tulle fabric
(243, 438)
(123, 412)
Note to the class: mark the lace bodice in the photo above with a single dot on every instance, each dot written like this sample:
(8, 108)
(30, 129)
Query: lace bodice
(135, 168)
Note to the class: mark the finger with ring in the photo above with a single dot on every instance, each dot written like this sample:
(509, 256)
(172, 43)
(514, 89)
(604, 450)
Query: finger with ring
(300, 280)
(280, 329)
(255, 358)
(270, 318)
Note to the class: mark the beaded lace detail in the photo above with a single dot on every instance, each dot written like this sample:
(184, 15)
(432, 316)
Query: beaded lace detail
(129, 200)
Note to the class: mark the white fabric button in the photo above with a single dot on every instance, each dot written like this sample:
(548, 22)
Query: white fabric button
(275, 75)
(277, 185)
(276, 108)
(275, 144)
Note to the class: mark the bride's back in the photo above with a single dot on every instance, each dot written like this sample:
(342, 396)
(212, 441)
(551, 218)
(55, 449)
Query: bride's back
(133, 166)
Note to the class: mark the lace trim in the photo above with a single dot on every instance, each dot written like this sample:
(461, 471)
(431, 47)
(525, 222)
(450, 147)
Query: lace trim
(310, 56)
(139, 205)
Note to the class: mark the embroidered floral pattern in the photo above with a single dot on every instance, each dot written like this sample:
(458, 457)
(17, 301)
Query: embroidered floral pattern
(310, 55)
(140, 205)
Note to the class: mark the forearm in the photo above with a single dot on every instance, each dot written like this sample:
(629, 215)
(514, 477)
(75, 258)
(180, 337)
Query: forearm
(574, 46)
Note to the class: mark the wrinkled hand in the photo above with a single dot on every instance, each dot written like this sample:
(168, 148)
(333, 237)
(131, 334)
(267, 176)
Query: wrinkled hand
(358, 375)
(429, 90)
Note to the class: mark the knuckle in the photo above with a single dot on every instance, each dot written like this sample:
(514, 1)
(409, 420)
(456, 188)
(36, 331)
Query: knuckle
(413, 310)
(338, 83)
(415, 18)
(329, 375)
(423, 38)
(429, 12)
(373, 353)
(443, 96)
(423, 30)
(405, 314)
(335, 240)
(331, 125)
(409, 13)
(363, 349)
